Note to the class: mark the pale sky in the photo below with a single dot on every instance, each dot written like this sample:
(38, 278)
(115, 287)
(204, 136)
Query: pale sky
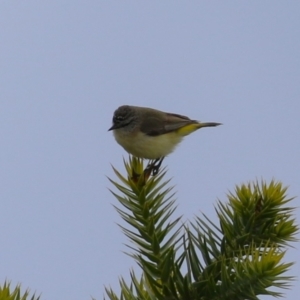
(65, 66)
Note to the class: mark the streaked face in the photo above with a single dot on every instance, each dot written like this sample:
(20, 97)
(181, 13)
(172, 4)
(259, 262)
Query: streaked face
(123, 116)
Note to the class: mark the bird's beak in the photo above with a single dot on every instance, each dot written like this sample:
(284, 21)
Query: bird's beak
(112, 127)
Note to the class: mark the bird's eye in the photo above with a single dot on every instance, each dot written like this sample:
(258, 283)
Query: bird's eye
(118, 118)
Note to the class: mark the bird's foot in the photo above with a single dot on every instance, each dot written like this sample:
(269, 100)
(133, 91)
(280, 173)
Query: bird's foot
(153, 167)
(156, 165)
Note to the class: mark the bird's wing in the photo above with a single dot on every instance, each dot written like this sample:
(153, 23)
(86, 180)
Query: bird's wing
(154, 125)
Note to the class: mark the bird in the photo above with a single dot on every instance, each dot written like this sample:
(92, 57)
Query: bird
(150, 133)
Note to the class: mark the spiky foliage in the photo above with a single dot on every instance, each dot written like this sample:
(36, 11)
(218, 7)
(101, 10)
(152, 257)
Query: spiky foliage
(244, 256)
(240, 259)
(7, 294)
(147, 208)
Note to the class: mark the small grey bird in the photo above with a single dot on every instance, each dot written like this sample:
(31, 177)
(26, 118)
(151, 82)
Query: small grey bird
(150, 133)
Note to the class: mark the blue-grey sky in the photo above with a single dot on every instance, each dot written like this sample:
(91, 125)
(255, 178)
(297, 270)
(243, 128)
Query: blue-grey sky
(65, 66)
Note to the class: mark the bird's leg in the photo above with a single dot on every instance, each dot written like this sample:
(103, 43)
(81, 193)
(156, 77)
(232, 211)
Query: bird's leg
(156, 165)
(153, 166)
(149, 168)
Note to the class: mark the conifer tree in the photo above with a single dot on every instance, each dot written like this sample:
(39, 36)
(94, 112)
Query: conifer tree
(241, 257)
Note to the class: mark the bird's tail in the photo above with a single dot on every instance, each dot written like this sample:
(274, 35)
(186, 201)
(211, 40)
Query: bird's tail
(194, 125)
(208, 124)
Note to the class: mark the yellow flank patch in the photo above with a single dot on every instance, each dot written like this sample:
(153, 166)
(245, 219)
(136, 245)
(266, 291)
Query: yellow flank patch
(185, 130)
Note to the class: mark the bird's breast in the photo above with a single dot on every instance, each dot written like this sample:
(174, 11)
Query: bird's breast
(144, 146)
